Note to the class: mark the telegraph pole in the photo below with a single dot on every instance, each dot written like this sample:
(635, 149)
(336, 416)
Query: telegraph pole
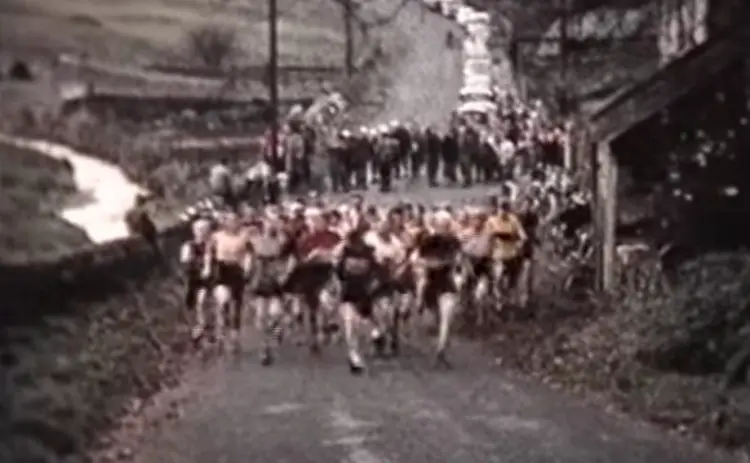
(564, 90)
(349, 33)
(273, 77)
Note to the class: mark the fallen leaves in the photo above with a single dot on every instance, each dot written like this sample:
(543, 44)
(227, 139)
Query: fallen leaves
(596, 349)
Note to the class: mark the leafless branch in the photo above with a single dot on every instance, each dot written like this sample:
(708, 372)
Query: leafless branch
(370, 23)
(212, 45)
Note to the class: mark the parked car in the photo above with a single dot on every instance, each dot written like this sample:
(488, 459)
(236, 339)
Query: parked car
(478, 67)
(475, 49)
(476, 93)
(463, 13)
(482, 112)
(478, 25)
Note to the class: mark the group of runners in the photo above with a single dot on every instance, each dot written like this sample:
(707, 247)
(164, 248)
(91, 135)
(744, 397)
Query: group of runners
(350, 267)
(354, 268)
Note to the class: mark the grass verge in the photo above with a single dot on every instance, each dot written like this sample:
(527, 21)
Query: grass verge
(661, 358)
(34, 188)
(74, 366)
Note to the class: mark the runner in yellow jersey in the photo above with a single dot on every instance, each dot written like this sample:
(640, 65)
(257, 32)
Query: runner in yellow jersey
(509, 236)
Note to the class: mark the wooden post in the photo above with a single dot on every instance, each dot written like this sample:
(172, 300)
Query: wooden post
(349, 42)
(606, 213)
(569, 148)
(590, 151)
(273, 76)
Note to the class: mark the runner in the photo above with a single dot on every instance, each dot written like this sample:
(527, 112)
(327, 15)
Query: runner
(312, 269)
(230, 256)
(509, 237)
(437, 285)
(272, 251)
(357, 269)
(197, 274)
(390, 254)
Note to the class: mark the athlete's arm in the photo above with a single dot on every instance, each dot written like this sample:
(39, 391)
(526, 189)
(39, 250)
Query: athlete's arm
(248, 258)
(522, 235)
(186, 254)
(209, 257)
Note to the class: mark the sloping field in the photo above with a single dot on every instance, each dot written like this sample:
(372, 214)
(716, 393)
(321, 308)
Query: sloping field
(138, 31)
(34, 187)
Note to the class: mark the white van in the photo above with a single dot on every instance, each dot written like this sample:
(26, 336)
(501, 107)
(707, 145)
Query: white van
(478, 67)
(463, 13)
(475, 49)
(478, 25)
(476, 92)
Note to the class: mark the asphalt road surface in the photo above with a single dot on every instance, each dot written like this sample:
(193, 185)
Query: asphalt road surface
(307, 409)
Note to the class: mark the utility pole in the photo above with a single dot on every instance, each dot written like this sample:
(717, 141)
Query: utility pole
(564, 90)
(273, 77)
(349, 34)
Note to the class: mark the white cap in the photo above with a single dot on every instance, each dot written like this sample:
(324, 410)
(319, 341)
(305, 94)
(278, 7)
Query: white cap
(314, 212)
(474, 210)
(442, 216)
(201, 225)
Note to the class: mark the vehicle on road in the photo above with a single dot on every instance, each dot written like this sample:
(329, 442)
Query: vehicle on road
(485, 107)
(477, 67)
(477, 24)
(478, 81)
(475, 49)
(476, 93)
(463, 13)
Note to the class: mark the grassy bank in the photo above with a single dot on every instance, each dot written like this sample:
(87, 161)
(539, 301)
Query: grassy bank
(77, 360)
(310, 32)
(671, 359)
(34, 188)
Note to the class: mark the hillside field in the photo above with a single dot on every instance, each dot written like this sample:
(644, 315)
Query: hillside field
(140, 31)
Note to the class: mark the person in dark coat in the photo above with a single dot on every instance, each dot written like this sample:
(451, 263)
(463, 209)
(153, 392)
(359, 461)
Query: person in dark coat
(140, 224)
(450, 155)
(432, 152)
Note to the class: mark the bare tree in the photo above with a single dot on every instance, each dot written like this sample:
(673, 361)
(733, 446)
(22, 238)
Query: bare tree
(213, 46)
(365, 21)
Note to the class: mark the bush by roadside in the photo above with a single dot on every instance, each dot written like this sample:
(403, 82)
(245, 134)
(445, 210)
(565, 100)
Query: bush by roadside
(680, 359)
(73, 365)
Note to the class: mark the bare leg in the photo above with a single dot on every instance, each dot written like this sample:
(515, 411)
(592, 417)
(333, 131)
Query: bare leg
(272, 326)
(200, 314)
(447, 305)
(222, 298)
(352, 328)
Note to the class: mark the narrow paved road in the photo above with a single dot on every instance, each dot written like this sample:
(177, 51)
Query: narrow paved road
(404, 411)
(307, 409)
